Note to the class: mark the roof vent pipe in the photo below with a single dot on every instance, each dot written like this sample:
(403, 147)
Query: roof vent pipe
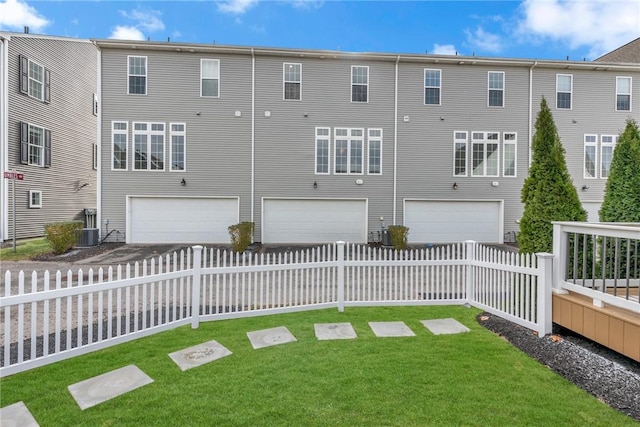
(26, 29)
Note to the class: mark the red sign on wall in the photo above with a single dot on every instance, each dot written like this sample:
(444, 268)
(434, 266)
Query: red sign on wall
(14, 175)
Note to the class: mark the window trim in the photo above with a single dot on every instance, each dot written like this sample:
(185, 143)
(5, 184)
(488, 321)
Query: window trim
(25, 144)
(25, 79)
(612, 144)
(202, 78)
(149, 132)
(485, 157)
(285, 81)
(353, 67)
(124, 132)
(570, 92)
(513, 142)
(439, 87)
(35, 205)
(464, 141)
(146, 75)
(350, 138)
(502, 89)
(377, 139)
(630, 94)
(182, 133)
(593, 144)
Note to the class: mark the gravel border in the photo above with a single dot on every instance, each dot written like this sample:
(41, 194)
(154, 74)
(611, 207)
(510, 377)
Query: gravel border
(609, 376)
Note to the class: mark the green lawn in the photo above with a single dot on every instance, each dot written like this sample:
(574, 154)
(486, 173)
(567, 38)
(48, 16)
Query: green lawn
(466, 379)
(25, 249)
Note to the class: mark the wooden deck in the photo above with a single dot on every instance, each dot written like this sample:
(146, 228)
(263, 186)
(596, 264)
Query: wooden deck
(612, 327)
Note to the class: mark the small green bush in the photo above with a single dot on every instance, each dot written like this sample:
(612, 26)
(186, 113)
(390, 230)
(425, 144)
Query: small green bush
(241, 235)
(62, 235)
(398, 235)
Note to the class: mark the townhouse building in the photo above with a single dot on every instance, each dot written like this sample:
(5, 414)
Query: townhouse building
(48, 131)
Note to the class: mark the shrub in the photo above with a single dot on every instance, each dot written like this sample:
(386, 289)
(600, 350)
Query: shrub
(241, 235)
(62, 235)
(398, 235)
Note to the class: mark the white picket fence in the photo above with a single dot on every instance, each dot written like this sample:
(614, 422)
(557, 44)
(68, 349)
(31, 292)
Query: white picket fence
(51, 318)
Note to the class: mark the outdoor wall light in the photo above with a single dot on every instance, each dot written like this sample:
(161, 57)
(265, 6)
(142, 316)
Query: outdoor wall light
(455, 186)
(574, 121)
(183, 182)
(585, 188)
(315, 184)
(441, 118)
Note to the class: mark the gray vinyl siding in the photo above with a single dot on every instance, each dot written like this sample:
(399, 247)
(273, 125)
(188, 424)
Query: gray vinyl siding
(69, 117)
(218, 144)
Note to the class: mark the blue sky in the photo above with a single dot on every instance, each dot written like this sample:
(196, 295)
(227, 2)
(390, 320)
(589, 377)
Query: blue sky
(541, 29)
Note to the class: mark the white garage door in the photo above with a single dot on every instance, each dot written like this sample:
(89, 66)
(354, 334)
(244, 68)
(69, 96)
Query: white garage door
(593, 210)
(443, 221)
(180, 220)
(314, 221)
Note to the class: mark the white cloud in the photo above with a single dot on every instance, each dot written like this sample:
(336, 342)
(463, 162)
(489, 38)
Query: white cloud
(15, 15)
(597, 25)
(237, 7)
(484, 41)
(122, 32)
(444, 49)
(148, 20)
(306, 4)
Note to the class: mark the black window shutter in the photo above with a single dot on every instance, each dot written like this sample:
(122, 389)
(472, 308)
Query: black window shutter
(24, 74)
(47, 86)
(24, 143)
(47, 148)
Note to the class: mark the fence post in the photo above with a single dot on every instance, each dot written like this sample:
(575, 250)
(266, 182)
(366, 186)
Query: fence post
(195, 281)
(471, 256)
(545, 278)
(560, 248)
(340, 267)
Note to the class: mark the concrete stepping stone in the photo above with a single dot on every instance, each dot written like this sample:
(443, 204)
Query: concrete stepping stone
(270, 337)
(391, 329)
(17, 415)
(335, 331)
(198, 355)
(104, 387)
(444, 326)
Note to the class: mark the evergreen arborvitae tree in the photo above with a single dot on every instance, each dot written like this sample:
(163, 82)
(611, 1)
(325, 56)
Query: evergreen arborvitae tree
(622, 192)
(548, 193)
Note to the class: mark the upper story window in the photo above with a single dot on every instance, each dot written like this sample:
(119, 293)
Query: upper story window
(35, 145)
(178, 137)
(484, 153)
(607, 145)
(148, 144)
(35, 80)
(349, 145)
(623, 93)
(375, 151)
(210, 77)
(137, 73)
(590, 155)
(322, 150)
(460, 141)
(432, 87)
(359, 84)
(496, 89)
(119, 143)
(564, 90)
(509, 153)
(292, 81)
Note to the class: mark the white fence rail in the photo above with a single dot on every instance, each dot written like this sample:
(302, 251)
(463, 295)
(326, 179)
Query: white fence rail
(55, 319)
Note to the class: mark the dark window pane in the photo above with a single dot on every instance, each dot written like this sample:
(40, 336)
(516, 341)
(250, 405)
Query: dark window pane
(358, 93)
(209, 87)
(564, 100)
(432, 96)
(137, 85)
(495, 98)
(292, 91)
(624, 102)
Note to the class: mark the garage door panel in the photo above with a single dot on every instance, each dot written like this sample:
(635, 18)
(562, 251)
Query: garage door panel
(314, 221)
(181, 220)
(435, 221)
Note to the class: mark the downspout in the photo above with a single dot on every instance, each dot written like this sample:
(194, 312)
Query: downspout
(99, 142)
(395, 144)
(253, 133)
(530, 111)
(4, 138)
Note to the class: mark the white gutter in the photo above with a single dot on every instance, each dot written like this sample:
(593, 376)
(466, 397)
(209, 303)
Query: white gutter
(99, 142)
(4, 138)
(253, 133)
(530, 112)
(395, 144)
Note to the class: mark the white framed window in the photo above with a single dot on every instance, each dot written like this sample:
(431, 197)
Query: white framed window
(432, 86)
(460, 142)
(148, 144)
(292, 81)
(96, 104)
(564, 91)
(137, 75)
(35, 80)
(607, 145)
(210, 78)
(177, 154)
(323, 145)
(590, 155)
(509, 154)
(35, 145)
(375, 152)
(623, 93)
(119, 144)
(495, 95)
(35, 199)
(359, 83)
(95, 156)
(485, 153)
(349, 145)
